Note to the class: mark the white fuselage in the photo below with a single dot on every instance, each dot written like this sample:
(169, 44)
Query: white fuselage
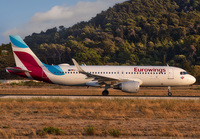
(146, 75)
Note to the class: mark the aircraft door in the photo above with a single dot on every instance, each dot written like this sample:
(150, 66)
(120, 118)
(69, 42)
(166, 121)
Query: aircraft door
(171, 74)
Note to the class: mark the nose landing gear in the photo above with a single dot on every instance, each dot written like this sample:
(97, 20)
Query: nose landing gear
(169, 91)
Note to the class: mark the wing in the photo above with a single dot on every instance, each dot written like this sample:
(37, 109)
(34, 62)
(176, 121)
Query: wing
(99, 78)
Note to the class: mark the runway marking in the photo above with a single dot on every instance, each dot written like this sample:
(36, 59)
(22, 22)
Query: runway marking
(96, 97)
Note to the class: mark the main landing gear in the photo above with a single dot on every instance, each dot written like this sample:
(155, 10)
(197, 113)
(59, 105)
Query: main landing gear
(105, 92)
(169, 91)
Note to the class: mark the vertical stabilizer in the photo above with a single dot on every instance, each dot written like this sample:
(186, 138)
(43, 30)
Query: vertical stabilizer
(27, 63)
(22, 53)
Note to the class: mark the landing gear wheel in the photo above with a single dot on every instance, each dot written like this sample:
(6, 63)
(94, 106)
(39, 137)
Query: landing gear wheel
(170, 94)
(169, 91)
(105, 93)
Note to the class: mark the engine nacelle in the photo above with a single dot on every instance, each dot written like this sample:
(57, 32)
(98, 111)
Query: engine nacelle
(129, 87)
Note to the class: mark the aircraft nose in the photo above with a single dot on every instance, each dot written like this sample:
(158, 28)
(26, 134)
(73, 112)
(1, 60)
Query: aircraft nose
(192, 79)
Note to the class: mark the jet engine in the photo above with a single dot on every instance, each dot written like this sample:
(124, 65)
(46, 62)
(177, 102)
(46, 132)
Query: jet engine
(129, 87)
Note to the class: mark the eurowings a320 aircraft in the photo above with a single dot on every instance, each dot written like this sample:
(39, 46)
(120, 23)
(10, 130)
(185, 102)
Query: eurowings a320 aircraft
(126, 78)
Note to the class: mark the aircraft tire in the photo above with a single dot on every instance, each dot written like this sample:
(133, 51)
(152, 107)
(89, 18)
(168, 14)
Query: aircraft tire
(170, 94)
(105, 93)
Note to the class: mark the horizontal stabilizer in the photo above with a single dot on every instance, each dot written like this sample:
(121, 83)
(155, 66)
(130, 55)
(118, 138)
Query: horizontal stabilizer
(16, 70)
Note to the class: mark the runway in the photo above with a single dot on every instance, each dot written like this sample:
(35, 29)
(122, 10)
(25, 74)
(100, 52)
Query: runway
(98, 97)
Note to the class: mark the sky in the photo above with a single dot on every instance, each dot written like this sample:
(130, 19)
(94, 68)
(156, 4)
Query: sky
(24, 17)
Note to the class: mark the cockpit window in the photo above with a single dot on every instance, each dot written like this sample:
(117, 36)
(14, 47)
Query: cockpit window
(183, 73)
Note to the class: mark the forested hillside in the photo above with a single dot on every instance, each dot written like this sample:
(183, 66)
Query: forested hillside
(136, 32)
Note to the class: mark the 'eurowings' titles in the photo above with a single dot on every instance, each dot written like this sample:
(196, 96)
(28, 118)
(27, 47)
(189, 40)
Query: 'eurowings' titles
(161, 70)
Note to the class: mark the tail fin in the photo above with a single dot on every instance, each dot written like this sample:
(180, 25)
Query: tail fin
(27, 63)
(23, 55)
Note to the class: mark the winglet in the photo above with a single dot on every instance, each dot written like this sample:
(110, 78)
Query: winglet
(78, 66)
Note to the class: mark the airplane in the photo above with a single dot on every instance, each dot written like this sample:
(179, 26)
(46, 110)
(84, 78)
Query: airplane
(125, 78)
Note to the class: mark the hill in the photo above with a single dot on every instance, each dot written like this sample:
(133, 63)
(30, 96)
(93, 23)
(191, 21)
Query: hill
(136, 32)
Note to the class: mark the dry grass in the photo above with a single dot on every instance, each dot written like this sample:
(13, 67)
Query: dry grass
(133, 118)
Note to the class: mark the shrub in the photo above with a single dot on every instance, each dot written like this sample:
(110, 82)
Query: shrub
(90, 130)
(115, 132)
(50, 130)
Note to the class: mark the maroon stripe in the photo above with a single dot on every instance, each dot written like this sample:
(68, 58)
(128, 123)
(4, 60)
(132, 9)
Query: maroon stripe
(31, 64)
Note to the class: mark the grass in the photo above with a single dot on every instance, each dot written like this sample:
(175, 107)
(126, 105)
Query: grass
(28, 83)
(115, 117)
(198, 88)
(128, 117)
(115, 132)
(90, 130)
(50, 130)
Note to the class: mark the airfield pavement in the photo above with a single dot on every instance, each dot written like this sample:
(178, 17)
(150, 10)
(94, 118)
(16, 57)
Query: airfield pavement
(54, 90)
(97, 97)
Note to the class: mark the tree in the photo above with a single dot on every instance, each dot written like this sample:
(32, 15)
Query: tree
(53, 51)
